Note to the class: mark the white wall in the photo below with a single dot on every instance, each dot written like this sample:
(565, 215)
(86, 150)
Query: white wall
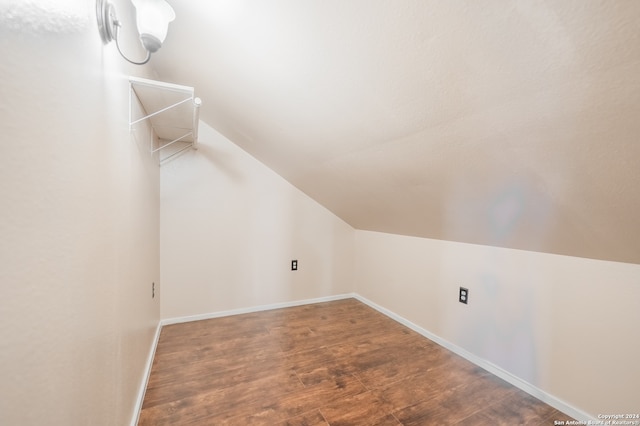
(79, 222)
(230, 227)
(566, 325)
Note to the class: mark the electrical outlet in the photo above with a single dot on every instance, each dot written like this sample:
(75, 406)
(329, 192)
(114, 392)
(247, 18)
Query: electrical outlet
(153, 290)
(294, 265)
(464, 295)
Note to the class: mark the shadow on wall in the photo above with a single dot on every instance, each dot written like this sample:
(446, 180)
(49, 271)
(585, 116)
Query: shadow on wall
(501, 323)
(502, 330)
(222, 161)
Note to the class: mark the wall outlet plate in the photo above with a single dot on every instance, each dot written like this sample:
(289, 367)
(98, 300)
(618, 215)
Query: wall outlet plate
(294, 265)
(463, 297)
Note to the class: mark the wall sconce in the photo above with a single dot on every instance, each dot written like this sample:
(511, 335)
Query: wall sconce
(152, 20)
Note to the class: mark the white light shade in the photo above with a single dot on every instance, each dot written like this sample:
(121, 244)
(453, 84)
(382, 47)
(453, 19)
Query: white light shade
(152, 19)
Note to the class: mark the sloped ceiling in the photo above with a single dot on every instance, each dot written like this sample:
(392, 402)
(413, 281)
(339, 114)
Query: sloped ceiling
(504, 123)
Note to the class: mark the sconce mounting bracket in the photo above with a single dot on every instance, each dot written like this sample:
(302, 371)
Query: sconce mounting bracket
(107, 20)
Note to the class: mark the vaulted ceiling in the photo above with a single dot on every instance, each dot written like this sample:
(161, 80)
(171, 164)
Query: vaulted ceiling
(497, 122)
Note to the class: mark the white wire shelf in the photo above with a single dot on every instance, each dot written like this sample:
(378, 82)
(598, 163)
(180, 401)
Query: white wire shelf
(173, 112)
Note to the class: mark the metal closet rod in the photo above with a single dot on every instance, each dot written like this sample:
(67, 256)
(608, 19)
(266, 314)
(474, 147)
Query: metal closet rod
(172, 142)
(169, 157)
(162, 110)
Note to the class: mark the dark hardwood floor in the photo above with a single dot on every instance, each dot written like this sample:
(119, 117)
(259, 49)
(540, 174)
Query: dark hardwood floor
(335, 363)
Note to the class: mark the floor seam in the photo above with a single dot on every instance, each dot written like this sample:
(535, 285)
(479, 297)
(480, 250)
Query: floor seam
(299, 379)
(360, 381)
(323, 416)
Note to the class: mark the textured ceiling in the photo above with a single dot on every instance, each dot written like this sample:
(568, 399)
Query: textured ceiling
(505, 123)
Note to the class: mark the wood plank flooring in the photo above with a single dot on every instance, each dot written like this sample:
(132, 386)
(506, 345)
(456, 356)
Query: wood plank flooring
(335, 363)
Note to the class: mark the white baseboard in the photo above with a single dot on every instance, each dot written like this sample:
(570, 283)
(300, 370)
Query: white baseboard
(145, 376)
(492, 368)
(178, 320)
(154, 344)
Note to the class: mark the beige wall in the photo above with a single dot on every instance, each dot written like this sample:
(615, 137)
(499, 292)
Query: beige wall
(81, 230)
(566, 325)
(230, 227)
(79, 223)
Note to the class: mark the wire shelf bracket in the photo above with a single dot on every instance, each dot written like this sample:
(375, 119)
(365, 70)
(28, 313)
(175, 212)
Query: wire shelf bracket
(173, 112)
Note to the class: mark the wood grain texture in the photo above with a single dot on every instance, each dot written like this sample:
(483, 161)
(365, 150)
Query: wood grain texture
(335, 363)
